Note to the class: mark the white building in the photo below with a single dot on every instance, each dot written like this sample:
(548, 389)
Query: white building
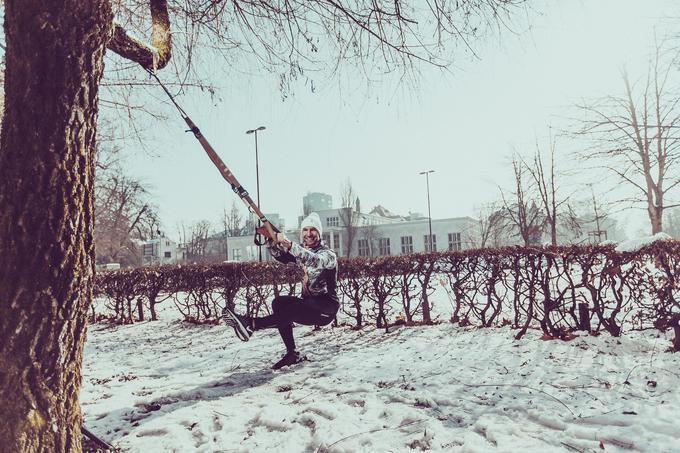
(374, 235)
(160, 251)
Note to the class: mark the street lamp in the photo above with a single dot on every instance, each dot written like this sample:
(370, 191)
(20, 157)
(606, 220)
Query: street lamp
(257, 176)
(429, 215)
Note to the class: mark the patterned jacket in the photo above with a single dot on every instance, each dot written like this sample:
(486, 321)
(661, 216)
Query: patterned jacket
(319, 264)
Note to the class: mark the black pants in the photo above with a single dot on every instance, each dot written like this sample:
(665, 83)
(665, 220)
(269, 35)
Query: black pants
(310, 311)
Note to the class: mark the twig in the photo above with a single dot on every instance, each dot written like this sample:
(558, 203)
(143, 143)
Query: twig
(300, 399)
(571, 447)
(580, 389)
(629, 373)
(368, 432)
(599, 415)
(651, 358)
(667, 371)
(522, 386)
(622, 444)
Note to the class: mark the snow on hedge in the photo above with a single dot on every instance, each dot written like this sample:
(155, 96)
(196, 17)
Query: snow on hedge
(634, 245)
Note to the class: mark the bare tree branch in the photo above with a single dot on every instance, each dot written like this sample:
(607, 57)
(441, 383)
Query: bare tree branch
(154, 56)
(635, 136)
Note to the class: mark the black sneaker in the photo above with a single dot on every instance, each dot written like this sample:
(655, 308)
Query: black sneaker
(240, 324)
(290, 358)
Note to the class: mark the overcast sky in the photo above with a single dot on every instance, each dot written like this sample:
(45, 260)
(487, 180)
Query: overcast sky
(463, 124)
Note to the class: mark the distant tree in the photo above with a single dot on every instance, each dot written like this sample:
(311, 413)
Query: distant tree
(598, 219)
(673, 223)
(490, 226)
(555, 206)
(520, 211)
(590, 220)
(573, 225)
(232, 220)
(636, 137)
(250, 224)
(194, 240)
(369, 234)
(349, 217)
(231, 225)
(124, 216)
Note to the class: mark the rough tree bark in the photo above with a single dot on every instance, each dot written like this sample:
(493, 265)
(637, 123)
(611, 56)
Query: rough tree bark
(54, 62)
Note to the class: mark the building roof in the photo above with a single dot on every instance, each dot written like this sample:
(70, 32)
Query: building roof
(384, 212)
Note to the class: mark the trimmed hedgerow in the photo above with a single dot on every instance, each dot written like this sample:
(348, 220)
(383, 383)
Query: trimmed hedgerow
(556, 289)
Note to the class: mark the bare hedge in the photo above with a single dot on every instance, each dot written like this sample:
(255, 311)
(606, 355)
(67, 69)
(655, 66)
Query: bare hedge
(559, 289)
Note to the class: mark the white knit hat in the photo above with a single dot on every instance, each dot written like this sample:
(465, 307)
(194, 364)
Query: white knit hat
(312, 220)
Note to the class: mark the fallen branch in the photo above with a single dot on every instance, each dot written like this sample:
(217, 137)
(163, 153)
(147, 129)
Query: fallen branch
(327, 448)
(100, 443)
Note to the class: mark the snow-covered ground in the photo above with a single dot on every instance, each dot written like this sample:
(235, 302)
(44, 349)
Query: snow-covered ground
(168, 386)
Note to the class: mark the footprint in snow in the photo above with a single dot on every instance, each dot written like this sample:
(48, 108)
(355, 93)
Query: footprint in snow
(326, 412)
(152, 432)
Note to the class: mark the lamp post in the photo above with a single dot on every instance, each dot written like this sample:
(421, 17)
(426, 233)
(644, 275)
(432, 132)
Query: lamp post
(429, 215)
(257, 176)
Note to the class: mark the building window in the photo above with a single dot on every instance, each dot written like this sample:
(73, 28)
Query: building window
(454, 241)
(168, 254)
(167, 243)
(326, 237)
(333, 221)
(252, 252)
(336, 242)
(147, 250)
(426, 242)
(406, 244)
(236, 254)
(384, 246)
(363, 247)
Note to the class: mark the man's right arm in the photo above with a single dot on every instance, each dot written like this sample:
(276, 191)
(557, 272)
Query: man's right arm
(282, 256)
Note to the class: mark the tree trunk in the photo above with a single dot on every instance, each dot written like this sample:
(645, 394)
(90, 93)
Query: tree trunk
(427, 316)
(655, 218)
(359, 317)
(674, 323)
(152, 309)
(140, 309)
(553, 231)
(130, 319)
(54, 65)
(583, 317)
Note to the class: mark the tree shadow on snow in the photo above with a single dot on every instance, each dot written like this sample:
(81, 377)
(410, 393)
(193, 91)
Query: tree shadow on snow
(126, 419)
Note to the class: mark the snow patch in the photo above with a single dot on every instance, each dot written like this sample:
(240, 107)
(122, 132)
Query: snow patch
(636, 244)
(439, 388)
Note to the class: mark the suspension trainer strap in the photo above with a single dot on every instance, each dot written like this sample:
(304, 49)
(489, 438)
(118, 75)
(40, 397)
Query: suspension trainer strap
(267, 228)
